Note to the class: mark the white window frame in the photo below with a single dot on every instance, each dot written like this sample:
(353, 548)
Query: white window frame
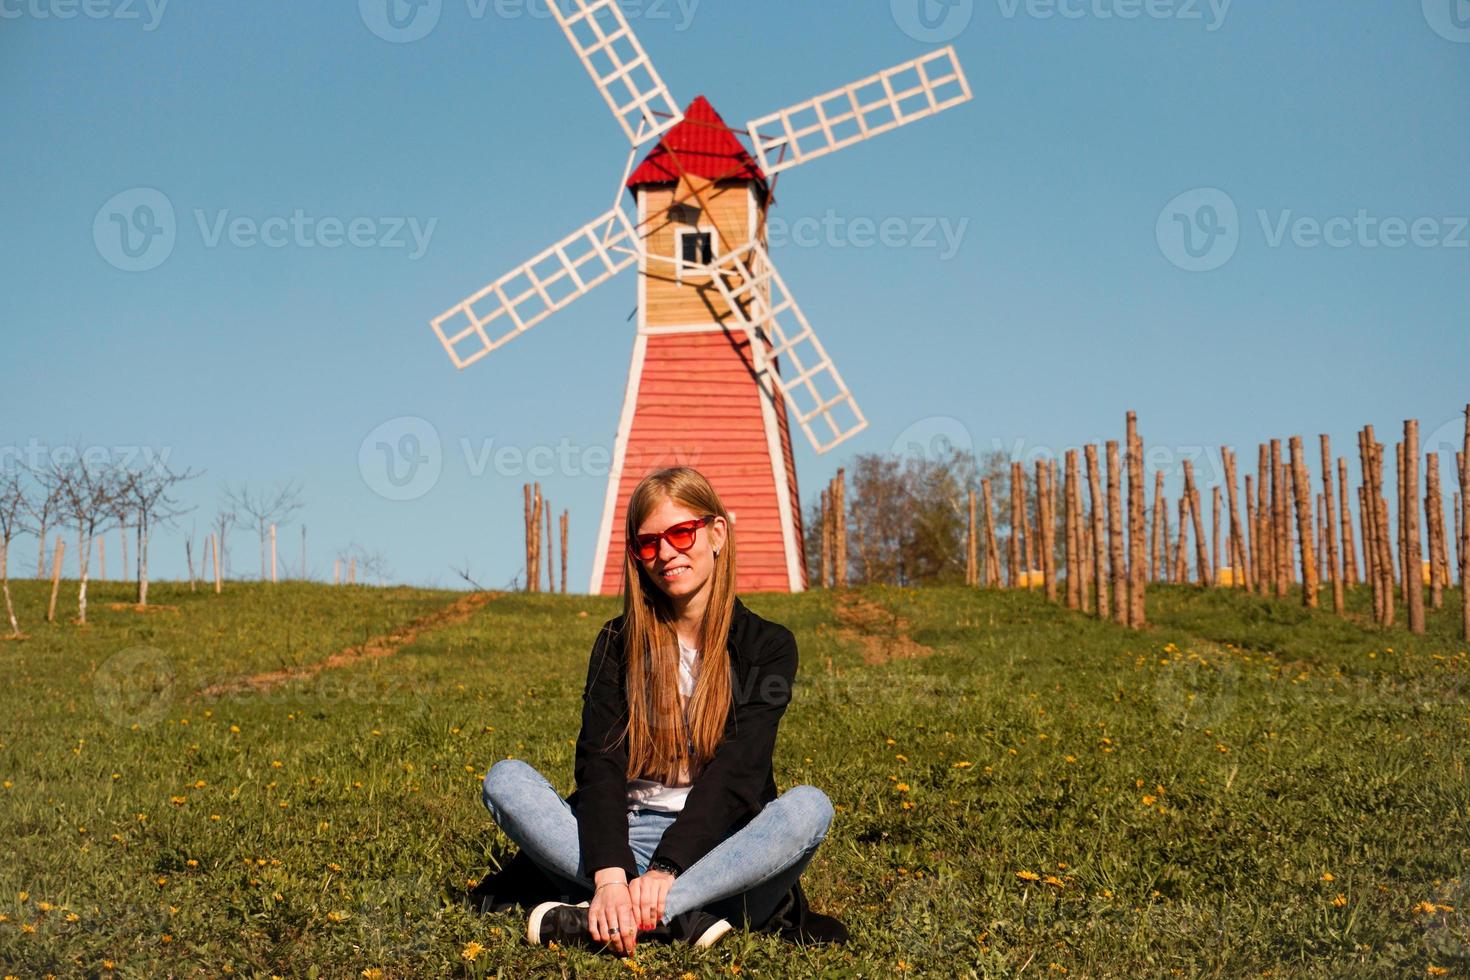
(680, 267)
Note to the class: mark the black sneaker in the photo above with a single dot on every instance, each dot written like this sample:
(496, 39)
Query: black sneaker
(698, 928)
(558, 922)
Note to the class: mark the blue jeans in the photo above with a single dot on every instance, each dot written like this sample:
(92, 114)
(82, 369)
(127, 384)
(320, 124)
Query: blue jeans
(743, 878)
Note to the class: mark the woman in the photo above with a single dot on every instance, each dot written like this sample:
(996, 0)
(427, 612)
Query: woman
(675, 827)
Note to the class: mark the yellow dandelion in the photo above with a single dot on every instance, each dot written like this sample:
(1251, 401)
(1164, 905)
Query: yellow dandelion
(902, 787)
(962, 765)
(1436, 971)
(907, 805)
(27, 928)
(472, 951)
(1327, 876)
(1149, 800)
(1028, 876)
(1339, 901)
(335, 916)
(161, 880)
(178, 800)
(1052, 880)
(372, 973)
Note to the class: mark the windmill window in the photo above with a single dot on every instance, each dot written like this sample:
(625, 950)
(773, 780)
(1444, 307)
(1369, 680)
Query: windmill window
(696, 248)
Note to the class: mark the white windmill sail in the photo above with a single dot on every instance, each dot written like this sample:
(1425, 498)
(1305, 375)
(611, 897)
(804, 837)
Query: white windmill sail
(620, 68)
(814, 391)
(866, 108)
(526, 295)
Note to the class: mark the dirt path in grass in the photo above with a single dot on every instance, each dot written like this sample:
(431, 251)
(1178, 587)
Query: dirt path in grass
(385, 645)
(882, 635)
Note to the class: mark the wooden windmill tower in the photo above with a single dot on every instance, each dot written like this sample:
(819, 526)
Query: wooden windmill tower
(723, 357)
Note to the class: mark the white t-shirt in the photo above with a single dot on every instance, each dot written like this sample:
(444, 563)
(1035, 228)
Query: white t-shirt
(650, 794)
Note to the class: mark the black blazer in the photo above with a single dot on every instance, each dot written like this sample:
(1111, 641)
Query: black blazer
(736, 784)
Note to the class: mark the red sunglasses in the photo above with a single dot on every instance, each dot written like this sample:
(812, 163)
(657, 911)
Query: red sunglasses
(644, 547)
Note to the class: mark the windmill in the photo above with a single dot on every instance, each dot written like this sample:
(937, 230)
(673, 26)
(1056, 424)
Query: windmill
(723, 356)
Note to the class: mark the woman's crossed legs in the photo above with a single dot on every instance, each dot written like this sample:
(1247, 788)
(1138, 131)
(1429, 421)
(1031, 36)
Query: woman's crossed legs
(743, 878)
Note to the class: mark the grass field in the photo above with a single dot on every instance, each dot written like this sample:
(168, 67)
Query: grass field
(1242, 789)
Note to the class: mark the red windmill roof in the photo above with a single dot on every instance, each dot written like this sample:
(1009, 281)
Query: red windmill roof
(705, 147)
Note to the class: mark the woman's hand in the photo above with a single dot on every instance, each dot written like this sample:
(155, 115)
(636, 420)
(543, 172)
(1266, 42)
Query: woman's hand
(647, 894)
(611, 906)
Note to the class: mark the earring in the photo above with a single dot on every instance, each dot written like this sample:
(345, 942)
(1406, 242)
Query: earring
(717, 552)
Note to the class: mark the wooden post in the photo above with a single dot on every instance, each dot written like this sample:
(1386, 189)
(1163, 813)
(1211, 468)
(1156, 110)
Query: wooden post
(1013, 544)
(1281, 523)
(1116, 568)
(1381, 533)
(1181, 564)
(530, 577)
(1099, 541)
(1329, 527)
(1401, 521)
(1265, 537)
(303, 552)
(1302, 491)
(1349, 551)
(1253, 566)
(972, 573)
(1072, 503)
(1086, 553)
(1137, 530)
(352, 570)
(1464, 511)
(189, 561)
(55, 578)
(1414, 566)
(566, 516)
(840, 526)
(992, 548)
(273, 554)
(1368, 518)
(1240, 568)
(1044, 500)
(122, 534)
(550, 548)
(1201, 552)
(1434, 530)
(337, 571)
(1215, 531)
(1160, 541)
(1023, 525)
(102, 560)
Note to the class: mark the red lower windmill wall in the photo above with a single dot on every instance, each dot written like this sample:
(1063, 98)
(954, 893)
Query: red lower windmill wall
(697, 404)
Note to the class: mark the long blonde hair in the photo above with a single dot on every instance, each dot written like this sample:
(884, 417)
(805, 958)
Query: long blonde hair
(657, 746)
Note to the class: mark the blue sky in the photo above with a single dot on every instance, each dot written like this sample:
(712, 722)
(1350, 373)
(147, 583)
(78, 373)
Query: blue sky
(1240, 220)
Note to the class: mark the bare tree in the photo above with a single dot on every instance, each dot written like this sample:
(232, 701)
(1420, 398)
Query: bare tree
(40, 513)
(14, 504)
(264, 509)
(224, 517)
(145, 495)
(369, 564)
(88, 494)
